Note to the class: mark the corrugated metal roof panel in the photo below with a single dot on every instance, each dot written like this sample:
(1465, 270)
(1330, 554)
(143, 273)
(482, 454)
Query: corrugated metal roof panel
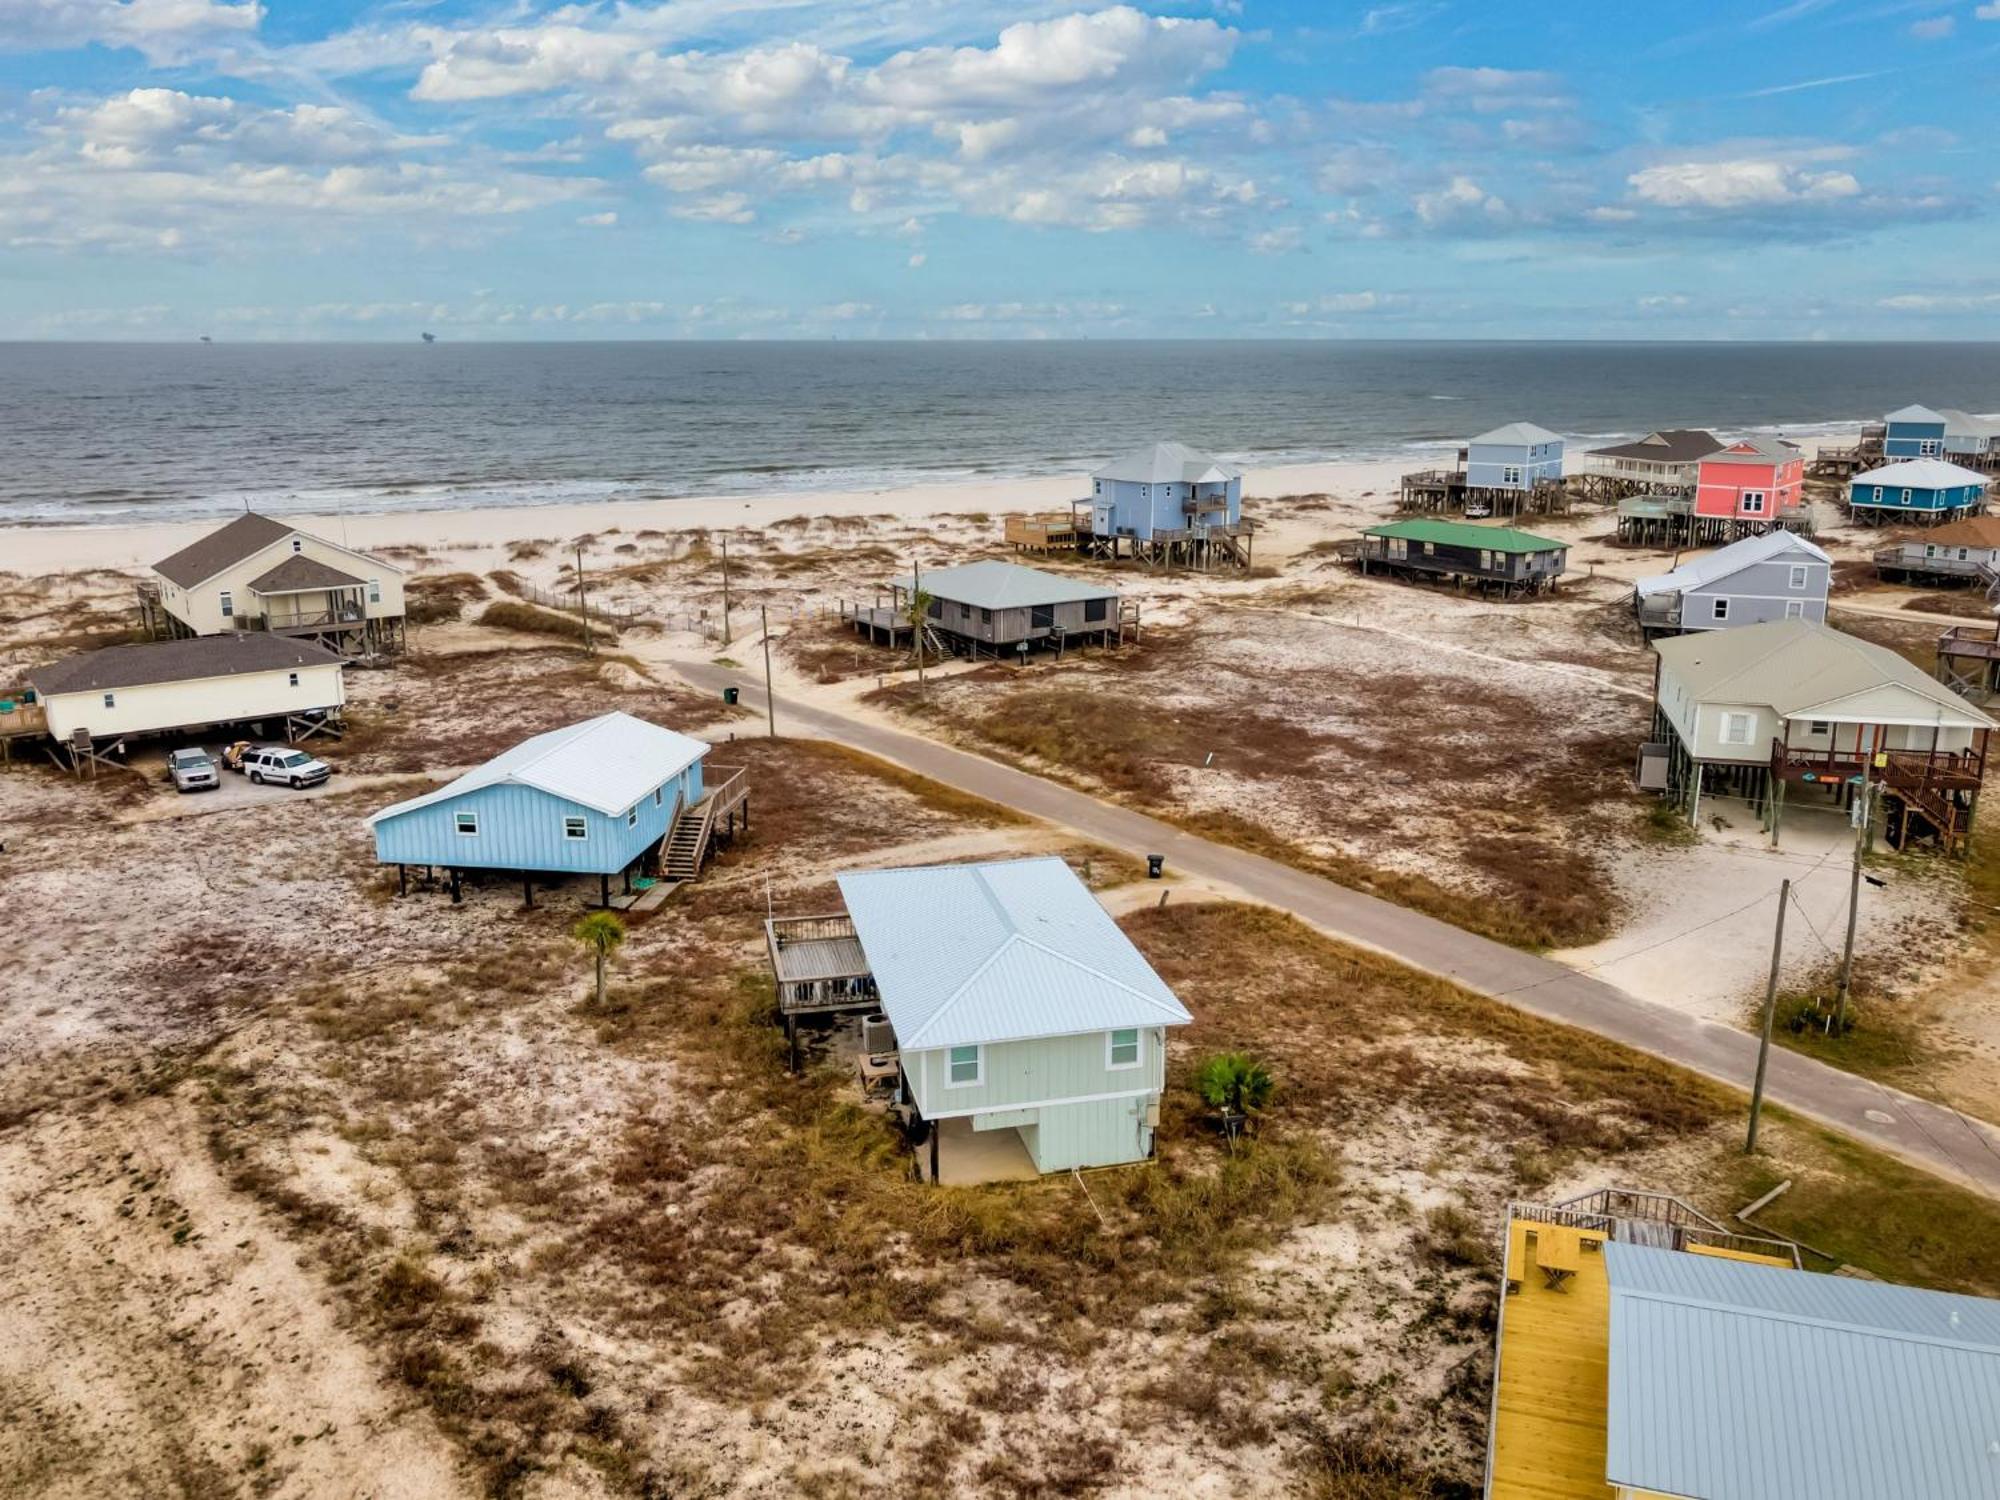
(607, 763)
(1733, 1381)
(1795, 666)
(1518, 434)
(999, 952)
(1922, 474)
(1168, 463)
(1467, 534)
(1004, 585)
(1731, 559)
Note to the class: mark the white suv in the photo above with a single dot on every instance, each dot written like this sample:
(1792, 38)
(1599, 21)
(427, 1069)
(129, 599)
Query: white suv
(292, 768)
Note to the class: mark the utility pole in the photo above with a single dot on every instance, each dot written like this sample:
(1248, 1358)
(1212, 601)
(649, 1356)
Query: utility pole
(1861, 813)
(770, 703)
(1770, 1011)
(582, 604)
(725, 591)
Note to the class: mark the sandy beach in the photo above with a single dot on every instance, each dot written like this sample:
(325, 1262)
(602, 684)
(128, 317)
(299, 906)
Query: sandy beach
(56, 549)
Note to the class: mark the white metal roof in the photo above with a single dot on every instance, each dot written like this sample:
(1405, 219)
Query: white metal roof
(1801, 670)
(1003, 585)
(999, 952)
(1521, 434)
(1748, 449)
(606, 763)
(1735, 1381)
(1731, 559)
(1915, 414)
(1965, 424)
(1168, 463)
(1921, 474)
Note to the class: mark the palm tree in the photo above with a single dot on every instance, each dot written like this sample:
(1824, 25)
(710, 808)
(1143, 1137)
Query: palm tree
(1236, 1086)
(601, 932)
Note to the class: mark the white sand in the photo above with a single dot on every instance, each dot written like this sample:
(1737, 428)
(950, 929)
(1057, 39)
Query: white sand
(56, 549)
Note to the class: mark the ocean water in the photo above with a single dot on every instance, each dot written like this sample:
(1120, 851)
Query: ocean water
(110, 433)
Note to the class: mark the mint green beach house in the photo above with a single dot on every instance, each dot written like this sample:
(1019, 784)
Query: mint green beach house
(1031, 1036)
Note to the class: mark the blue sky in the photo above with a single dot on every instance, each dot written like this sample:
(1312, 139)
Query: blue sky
(956, 168)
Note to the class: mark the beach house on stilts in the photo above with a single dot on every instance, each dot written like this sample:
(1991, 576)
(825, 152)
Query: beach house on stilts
(1795, 710)
(257, 573)
(610, 796)
(1165, 505)
(1024, 1033)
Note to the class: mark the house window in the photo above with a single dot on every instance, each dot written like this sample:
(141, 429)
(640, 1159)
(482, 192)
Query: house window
(936, 611)
(576, 828)
(1041, 617)
(1878, 493)
(291, 679)
(1430, 549)
(986, 617)
(1094, 609)
(1720, 609)
(1736, 728)
(1906, 498)
(1485, 560)
(1753, 502)
(465, 823)
(1930, 448)
(1121, 1048)
(658, 795)
(1820, 727)
(963, 1067)
(228, 605)
(110, 700)
(297, 545)
(1798, 578)
(1795, 609)
(632, 816)
(1511, 474)
(1962, 554)
(374, 591)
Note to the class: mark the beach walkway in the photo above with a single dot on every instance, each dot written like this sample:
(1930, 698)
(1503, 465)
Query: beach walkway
(1931, 1136)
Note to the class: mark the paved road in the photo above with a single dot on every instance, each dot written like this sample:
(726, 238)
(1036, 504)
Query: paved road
(1928, 1135)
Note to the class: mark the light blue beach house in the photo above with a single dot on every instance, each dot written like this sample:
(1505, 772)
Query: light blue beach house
(1514, 458)
(1969, 436)
(1918, 489)
(594, 798)
(1031, 1035)
(1164, 487)
(1913, 432)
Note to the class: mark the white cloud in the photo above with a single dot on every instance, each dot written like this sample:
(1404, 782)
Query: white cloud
(165, 31)
(604, 220)
(1942, 302)
(916, 261)
(1934, 28)
(722, 208)
(1339, 302)
(1459, 200)
(1988, 12)
(1282, 240)
(1659, 301)
(1744, 182)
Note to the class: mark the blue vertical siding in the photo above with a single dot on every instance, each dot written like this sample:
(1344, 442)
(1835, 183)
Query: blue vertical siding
(521, 828)
(1128, 508)
(1486, 464)
(1907, 439)
(1921, 501)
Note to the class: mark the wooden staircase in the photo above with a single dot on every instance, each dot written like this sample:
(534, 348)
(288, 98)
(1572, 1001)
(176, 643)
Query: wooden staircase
(691, 837)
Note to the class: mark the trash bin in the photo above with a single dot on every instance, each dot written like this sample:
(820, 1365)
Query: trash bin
(730, 695)
(1155, 863)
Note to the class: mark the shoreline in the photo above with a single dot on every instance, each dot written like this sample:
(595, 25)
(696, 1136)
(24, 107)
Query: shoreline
(37, 549)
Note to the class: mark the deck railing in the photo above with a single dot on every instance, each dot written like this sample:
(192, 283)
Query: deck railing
(1970, 640)
(23, 718)
(731, 791)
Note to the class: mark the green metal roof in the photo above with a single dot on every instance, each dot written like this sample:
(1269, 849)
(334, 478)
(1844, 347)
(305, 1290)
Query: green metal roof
(1466, 534)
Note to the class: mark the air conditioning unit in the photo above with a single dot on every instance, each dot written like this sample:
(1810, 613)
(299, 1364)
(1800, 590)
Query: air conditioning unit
(1651, 771)
(877, 1035)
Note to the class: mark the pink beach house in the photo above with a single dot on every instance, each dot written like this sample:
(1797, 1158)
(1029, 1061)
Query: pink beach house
(1753, 479)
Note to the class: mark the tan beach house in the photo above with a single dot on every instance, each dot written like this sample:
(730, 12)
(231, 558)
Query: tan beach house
(257, 573)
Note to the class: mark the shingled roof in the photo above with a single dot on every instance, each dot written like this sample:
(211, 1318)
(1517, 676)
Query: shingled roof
(198, 561)
(1670, 445)
(229, 655)
(299, 572)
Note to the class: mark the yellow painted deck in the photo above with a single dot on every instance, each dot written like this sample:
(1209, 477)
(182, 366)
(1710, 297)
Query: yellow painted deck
(1548, 1422)
(1723, 1252)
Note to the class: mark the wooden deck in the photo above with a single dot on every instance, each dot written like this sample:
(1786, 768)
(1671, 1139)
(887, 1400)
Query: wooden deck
(1551, 1381)
(818, 964)
(1551, 1385)
(1049, 533)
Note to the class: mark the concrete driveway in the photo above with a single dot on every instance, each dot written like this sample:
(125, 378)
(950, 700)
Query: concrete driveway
(235, 792)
